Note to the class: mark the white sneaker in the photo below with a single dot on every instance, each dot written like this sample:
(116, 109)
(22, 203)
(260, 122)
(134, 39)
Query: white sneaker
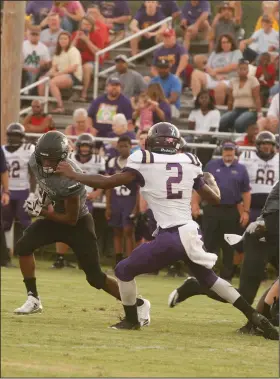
(144, 313)
(32, 305)
(172, 299)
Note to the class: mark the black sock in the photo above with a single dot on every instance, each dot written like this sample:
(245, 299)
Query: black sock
(139, 302)
(266, 310)
(131, 313)
(119, 257)
(31, 287)
(244, 307)
(188, 289)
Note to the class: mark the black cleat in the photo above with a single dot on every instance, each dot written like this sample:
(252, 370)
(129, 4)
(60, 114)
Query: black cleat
(126, 325)
(262, 323)
(58, 264)
(250, 329)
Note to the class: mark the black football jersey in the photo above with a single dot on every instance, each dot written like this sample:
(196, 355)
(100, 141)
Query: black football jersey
(272, 202)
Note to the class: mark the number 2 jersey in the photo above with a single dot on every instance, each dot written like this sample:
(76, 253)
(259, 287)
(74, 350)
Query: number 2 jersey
(17, 162)
(166, 184)
(262, 174)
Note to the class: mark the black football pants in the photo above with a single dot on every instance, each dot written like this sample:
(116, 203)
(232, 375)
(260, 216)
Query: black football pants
(81, 238)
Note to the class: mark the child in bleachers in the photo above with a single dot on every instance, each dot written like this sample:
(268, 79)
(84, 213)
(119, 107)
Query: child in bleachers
(266, 74)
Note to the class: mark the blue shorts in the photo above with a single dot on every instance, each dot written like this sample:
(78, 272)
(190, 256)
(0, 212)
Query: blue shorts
(121, 210)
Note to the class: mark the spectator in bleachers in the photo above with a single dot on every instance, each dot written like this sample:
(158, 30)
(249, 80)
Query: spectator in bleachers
(170, 8)
(116, 15)
(143, 112)
(132, 82)
(88, 42)
(99, 24)
(226, 22)
(50, 35)
(244, 101)
(205, 117)
(38, 121)
(264, 40)
(172, 52)
(250, 137)
(80, 124)
(220, 68)
(120, 127)
(161, 109)
(105, 107)
(171, 84)
(271, 122)
(145, 17)
(38, 10)
(36, 56)
(266, 74)
(70, 12)
(141, 141)
(269, 8)
(66, 70)
(195, 19)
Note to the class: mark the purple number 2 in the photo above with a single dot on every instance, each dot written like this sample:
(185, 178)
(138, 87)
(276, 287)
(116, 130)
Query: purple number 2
(174, 180)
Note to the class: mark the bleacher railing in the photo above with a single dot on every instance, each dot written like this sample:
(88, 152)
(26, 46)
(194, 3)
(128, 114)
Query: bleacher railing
(97, 74)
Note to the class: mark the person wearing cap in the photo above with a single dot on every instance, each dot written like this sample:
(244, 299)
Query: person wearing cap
(171, 51)
(132, 81)
(264, 40)
(226, 22)
(233, 181)
(105, 107)
(171, 85)
(195, 15)
(147, 16)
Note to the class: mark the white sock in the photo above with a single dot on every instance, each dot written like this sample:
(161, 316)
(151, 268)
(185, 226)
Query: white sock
(9, 235)
(128, 292)
(225, 290)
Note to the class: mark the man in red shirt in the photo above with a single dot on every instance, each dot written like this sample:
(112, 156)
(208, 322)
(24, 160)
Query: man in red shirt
(37, 121)
(88, 41)
(250, 138)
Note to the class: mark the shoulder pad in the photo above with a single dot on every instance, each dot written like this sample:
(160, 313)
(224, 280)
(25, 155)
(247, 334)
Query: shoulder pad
(194, 159)
(142, 156)
(112, 162)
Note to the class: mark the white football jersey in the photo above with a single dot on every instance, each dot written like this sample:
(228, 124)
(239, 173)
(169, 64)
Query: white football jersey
(17, 163)
(262, 174)
(166, 184)
(96, 165)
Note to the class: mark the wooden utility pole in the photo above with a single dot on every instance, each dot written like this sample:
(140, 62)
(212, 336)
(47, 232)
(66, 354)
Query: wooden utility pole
(11, 62)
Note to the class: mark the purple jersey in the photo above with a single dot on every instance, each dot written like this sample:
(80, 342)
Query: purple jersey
(144, 21)
(172, 55)
(102, 110)
(191, 13)
(114, 9)
(38, 9)
(165, 107)
(169, 7)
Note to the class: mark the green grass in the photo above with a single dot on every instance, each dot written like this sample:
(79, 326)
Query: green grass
(71, 337)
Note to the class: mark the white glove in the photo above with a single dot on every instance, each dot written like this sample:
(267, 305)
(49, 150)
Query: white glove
(251, 228)
(33, 207)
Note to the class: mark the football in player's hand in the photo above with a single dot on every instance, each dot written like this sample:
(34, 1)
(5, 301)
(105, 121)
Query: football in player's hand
(209, 178)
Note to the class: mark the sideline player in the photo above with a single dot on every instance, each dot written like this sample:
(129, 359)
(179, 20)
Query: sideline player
(69, 222)
(90, 163)
(167, 180)
(21, 180)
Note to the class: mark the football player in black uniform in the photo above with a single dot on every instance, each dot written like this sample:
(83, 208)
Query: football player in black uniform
(66, 218)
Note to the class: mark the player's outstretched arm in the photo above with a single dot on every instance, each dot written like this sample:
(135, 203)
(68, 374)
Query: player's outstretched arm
(96, 181)
(209, 191)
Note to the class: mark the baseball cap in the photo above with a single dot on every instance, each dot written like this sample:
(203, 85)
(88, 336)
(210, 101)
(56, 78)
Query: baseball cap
(114, 80)
(162, 63)
(169, 32)
(121, 57)
(228, 145)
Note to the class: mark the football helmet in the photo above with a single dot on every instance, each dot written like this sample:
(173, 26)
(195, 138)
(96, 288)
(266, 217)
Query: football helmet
(85, 139)
(15, 134)
(265, 137)
(163, 138)
(51, 148)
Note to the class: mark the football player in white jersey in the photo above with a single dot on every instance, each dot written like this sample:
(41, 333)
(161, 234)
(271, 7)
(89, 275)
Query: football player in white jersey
(91, 164)
(263, 168)
(167, 180)
(21, 181)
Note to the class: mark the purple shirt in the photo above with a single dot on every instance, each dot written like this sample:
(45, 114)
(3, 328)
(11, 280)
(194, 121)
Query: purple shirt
(3, 164)
(38, 9)
(172, 55)
(144, 21)
(165, 107)
(102, 110)
(113, 9)
(232, 181)
(191, 14)
(131, 135)
(169, 7)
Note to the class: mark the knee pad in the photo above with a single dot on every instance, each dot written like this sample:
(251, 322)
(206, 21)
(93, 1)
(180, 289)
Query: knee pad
(96, 279)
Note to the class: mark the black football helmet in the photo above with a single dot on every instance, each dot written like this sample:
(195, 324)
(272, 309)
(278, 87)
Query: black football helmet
(183, 146)
(265, 138)
(52, 148)
(277, 140)
(15, 135)
(85, 139)
(163, 138)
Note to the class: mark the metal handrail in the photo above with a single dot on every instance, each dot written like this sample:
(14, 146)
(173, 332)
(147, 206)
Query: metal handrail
(119, 43)
(45, 99)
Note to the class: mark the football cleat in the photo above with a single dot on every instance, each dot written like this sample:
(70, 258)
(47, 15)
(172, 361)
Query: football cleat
(126, 325)
(32, 305)
(173, 299)
(143, 312)
(262, 323)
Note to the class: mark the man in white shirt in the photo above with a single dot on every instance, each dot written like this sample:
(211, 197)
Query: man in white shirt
(271, 122)
(35, 54)
(49, 36)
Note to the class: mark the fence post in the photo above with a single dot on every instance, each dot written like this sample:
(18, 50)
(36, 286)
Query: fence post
(96, 76)
(47, 88)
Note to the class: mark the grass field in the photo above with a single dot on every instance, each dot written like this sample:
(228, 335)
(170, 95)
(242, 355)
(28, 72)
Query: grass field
(71, 337)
